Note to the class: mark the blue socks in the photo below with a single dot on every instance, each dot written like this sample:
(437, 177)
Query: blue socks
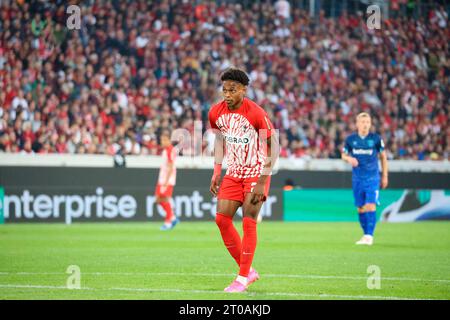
(371, 222)
(368, 220)
(363, 221)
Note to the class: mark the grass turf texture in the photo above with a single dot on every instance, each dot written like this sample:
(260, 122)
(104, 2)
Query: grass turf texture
(295, 261)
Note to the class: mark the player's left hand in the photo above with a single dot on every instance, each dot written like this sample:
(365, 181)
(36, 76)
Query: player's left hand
(384, 182)
(257, 194)
(163, 188)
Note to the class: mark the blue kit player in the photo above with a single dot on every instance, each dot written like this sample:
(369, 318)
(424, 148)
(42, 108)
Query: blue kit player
(362, 150)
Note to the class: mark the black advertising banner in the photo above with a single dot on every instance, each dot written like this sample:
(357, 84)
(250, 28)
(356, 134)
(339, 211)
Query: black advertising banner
(55, 194)
(69, 194)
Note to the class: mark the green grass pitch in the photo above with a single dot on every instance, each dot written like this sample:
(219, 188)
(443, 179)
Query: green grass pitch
(295, 261)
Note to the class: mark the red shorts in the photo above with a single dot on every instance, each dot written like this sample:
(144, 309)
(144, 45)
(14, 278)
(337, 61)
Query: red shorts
(236, 188)
(167, 194)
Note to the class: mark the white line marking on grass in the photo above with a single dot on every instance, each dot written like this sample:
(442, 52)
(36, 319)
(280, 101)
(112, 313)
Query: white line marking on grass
(30, 286)
(291, 294)
(299, 276)
(306, 276)
(174, 290)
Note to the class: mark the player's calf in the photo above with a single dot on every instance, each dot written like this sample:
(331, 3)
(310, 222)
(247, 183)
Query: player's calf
(230, 236)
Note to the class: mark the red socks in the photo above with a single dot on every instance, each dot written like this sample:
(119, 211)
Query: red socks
(242, 253)
(248, 245)
(168, 209)
(230, 235)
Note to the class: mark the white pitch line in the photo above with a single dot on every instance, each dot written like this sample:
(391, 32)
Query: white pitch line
(30, 286)
(299, 276)
(174, 290)
(254, 294)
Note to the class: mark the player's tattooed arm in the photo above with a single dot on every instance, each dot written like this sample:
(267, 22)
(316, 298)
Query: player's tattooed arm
(219, 151)
(273, 151)
(272, 146)
(384, 170)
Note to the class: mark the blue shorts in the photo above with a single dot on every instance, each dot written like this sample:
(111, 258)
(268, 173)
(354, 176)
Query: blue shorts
(366, 192)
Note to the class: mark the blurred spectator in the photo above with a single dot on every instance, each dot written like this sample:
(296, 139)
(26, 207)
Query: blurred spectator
(283, 10)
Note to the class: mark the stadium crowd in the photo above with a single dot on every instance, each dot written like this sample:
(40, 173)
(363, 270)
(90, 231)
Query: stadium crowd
(136, 68)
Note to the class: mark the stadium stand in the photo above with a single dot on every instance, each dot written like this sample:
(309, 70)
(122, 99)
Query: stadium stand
(136, 68)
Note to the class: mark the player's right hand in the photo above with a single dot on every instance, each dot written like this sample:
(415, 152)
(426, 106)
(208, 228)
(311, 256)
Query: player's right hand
(353, 161)
(215, 182)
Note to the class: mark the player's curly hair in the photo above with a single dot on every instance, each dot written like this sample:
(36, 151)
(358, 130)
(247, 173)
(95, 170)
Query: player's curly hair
(235, 74)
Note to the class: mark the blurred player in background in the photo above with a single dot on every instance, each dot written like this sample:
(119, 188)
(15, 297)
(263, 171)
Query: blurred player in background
(251, 147)
(166, 181)
(362, 150)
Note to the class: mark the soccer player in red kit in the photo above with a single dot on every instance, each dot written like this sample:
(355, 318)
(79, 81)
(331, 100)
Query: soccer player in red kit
(166, 181)
(247, 137)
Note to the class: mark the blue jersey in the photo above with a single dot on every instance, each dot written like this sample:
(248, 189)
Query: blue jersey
(366, 151)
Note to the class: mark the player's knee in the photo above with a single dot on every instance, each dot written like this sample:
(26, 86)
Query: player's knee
(369, 207)
(163, 199)
(223, 221)
(251, 214)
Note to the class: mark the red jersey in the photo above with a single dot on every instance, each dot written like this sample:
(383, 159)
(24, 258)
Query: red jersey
(169, 154)
(242, 129)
